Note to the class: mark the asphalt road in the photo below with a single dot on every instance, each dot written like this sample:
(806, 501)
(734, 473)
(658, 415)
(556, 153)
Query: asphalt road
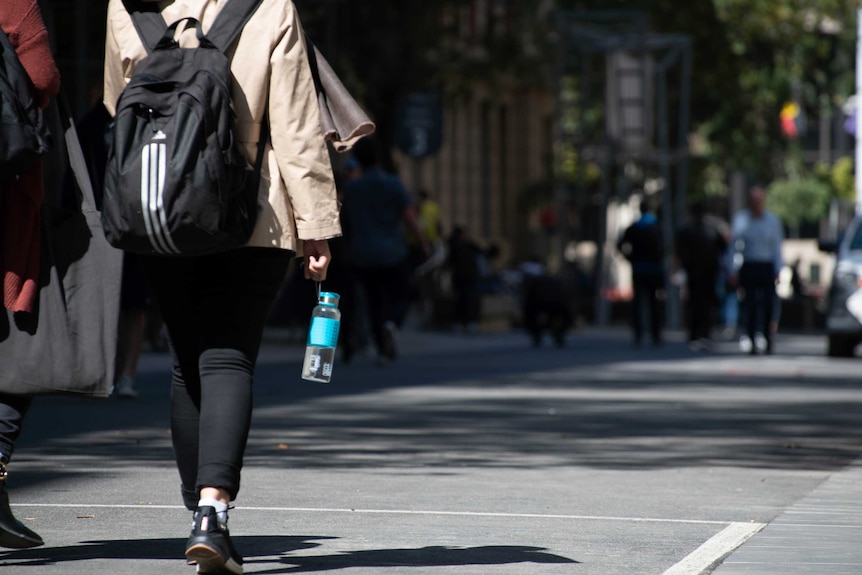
(470, 455)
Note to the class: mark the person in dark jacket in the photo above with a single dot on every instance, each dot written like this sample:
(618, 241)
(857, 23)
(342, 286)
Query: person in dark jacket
(699, 251)
(545, 305)
(20, 233)
(641, 244)
(464, 257)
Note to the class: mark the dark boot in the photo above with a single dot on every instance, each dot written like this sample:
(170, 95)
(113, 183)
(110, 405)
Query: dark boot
(13, 533)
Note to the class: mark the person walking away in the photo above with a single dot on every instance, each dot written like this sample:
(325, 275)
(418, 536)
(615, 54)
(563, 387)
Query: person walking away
(699, 251)
(757, 239)
(20, 229)
(641, 245)
(215, 306)
(545, 305)
(464, 263)
(375, 211)
(94, 135)
(425, 268)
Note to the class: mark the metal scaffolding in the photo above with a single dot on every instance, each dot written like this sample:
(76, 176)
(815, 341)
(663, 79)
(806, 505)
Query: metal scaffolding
(612, 68)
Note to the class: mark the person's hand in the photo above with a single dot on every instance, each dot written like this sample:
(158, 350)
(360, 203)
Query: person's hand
(317, 258)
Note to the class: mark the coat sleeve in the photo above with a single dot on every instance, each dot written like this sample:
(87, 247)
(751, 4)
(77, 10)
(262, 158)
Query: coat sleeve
(34, 52)
(115, 82)
(297, 138)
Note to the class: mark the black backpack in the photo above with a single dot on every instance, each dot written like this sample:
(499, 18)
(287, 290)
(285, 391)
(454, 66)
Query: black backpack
(176, 182)
(23, 135)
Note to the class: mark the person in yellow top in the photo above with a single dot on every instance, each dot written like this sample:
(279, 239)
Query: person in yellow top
(430, 219)
(215, 306)
(425, 261)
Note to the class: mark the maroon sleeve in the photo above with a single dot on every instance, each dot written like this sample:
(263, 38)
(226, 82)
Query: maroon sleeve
(22, 21)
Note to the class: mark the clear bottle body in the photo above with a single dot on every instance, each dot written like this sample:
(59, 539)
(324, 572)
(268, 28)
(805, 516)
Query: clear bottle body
(322, 341)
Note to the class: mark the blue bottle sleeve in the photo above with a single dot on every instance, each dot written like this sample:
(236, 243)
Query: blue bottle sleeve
(323, 332)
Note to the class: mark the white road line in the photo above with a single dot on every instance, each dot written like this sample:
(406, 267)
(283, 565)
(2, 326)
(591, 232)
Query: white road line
(397, 512)
(707, 556)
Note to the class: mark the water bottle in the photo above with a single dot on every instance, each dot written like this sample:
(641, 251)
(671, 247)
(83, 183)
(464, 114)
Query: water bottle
(322, 339)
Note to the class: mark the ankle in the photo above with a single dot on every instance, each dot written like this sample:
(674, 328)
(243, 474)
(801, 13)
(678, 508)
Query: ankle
(220, 507)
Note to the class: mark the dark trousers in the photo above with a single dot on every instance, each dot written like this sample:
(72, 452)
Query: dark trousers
(468, 302)
(387, 296)
(645, 304)
(757, 280)
(13, 410)
(701, 306)
(214, 309)
(545, 308)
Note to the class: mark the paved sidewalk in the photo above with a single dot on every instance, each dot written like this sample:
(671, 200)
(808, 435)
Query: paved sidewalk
(820, 534)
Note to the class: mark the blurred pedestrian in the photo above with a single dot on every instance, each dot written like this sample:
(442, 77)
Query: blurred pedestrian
(215, 306)
(375, 211)
(545, 305)
(94, 134)
(641, 245)
(699, 251)
(465, 263)
(20, 238)
(425, 268)
(134, 303)
(757, 239)
(342, 277)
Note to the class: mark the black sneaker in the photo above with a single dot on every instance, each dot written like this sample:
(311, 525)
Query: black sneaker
(210, 547)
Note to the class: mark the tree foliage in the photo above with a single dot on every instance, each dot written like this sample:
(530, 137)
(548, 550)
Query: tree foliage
(749, 58)
(799, 200)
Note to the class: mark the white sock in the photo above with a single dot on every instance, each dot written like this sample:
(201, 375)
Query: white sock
(220, 507)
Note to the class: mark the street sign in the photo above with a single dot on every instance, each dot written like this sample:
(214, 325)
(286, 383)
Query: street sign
(419, 131)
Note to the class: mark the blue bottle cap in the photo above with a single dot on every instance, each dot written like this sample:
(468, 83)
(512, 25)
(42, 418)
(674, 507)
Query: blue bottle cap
(329, 298)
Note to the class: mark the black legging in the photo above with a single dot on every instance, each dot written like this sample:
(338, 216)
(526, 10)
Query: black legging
(214, 308)
(13, 409)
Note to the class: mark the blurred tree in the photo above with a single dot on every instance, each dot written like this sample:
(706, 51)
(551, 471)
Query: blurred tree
(842, 179)
(750, 57)
(799, 200)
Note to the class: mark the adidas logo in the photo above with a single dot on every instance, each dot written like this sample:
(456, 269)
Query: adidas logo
(160, 136)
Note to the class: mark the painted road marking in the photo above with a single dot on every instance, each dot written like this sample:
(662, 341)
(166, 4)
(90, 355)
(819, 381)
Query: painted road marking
(710, 554)
(398, 512)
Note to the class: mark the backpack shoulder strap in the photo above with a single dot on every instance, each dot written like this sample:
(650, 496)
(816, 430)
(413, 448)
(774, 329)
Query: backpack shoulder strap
(12, 65)
(230, 21)
(148, 22)
(228, 25)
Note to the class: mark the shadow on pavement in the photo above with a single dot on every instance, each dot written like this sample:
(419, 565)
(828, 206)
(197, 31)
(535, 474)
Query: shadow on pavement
(436, 556)
(260, 550)
(599, 403)
(149, 549)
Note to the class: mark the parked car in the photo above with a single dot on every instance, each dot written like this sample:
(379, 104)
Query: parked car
(844, 308)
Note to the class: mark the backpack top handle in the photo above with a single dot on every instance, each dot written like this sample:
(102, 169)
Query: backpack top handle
(168, 42)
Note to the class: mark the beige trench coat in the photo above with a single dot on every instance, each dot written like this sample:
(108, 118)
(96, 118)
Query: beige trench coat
(297, 196)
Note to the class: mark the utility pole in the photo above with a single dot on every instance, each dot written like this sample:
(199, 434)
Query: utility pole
(858, 111)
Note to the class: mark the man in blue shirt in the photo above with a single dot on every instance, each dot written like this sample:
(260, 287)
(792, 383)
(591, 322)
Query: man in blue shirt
(375, 210)
(757, 238)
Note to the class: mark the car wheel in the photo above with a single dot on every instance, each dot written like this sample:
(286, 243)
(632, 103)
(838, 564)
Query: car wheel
(841, 346)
